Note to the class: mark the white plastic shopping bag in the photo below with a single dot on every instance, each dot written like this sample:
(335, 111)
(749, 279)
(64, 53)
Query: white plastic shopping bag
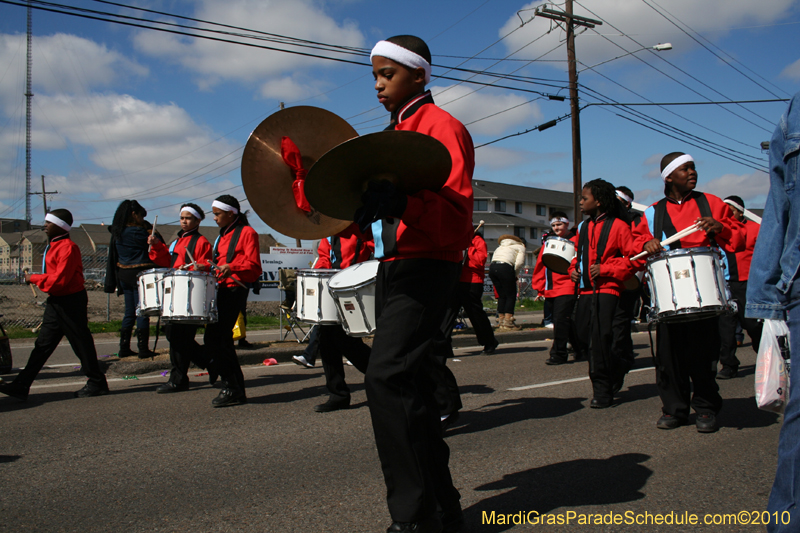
(772, 367)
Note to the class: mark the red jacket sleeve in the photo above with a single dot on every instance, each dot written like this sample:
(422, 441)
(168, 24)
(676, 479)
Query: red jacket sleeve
(733, 237)
(159, 254)
(202, 252)
(620, 239)
(477, 254)
(324, 252)
(246, 262)
(64, 271)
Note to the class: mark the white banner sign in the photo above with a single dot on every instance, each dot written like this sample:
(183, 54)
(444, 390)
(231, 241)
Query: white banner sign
(279, 258)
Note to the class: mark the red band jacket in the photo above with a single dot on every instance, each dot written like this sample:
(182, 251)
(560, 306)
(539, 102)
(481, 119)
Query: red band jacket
(474, 270)
(63, 268)
(344, 249)
(615, 265)
(551, 284)
(246, 262)
(435, 225)
(739, 262)
(175, 255)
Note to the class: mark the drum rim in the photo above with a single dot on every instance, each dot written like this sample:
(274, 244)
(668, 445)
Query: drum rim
(153, 271)
(698, 250)
(354, 267)
(317, 272)
(198, 273)
(557, 238)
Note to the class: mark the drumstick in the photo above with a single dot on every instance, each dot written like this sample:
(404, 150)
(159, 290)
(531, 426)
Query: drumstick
(153, 231)
(479, 226)
(234, 279)
(678, 236)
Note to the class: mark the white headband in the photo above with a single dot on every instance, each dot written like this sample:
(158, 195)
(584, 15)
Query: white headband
(50, 217)
(560, 219)
(403, 56)
(624, 196)
(224, 207)
(734, 204)
(192, 211)
(685, 158)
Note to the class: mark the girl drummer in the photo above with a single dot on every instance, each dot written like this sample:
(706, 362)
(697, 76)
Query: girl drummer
(687, 350)
(236, 260)
(190, 251)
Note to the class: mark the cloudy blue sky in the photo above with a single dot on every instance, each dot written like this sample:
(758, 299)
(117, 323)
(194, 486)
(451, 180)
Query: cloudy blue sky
(126, 112)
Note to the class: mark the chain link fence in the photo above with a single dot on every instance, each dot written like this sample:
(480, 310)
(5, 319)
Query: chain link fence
(22, 305)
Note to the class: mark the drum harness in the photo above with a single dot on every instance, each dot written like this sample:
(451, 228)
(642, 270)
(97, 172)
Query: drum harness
(662, 222)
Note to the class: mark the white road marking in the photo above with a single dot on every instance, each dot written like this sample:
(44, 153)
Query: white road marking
(563, 381)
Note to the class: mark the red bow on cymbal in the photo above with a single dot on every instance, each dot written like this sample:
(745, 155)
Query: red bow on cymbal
(291, 156)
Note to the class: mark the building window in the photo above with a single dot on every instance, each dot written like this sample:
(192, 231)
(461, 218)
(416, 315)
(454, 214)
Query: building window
(518, 207)
(519, 232)
(541, 210)
(500, 205)
(533, 233)
(481, 205)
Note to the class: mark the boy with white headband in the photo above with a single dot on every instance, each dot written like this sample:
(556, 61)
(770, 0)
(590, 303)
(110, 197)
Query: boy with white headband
(190, 251)
(737, 273)
(687, 351)
(65, 313)
(420, 240)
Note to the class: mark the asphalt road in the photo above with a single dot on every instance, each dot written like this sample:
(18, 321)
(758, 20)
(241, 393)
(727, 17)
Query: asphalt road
(526, 441)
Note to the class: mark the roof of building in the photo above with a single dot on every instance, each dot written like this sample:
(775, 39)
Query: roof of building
(519, 193)
(501, 219)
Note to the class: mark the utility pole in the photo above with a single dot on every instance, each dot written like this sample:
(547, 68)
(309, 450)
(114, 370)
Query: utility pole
(571, 21)
(28, 96)
(44, 194)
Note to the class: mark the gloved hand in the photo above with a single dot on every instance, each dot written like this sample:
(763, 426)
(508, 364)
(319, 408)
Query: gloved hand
(381, 200)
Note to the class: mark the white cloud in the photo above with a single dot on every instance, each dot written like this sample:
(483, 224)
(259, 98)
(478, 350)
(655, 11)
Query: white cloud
(62, 63)
(215, 61)
(469, 107)
(792, 71)
(754, 186)
(635, 18)
(289, 88)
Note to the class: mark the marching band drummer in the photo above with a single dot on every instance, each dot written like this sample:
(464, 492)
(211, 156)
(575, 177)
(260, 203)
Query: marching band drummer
(687, 350)
(561, 289)
(238, 262)
(345, 249)
(420, 240)
(183, 349)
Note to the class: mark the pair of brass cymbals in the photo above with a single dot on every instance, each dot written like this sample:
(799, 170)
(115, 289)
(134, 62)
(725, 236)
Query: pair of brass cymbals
(340, 165)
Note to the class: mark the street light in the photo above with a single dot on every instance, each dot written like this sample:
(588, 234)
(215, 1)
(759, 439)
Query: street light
(661, 47)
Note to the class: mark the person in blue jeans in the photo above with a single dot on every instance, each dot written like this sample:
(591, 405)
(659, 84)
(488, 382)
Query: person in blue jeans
(773, 294)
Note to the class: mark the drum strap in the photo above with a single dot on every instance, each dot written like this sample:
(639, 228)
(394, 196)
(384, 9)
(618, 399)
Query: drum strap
(662, 225)
(583, 247)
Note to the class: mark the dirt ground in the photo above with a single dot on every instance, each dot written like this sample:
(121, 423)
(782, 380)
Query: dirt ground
(19, 307)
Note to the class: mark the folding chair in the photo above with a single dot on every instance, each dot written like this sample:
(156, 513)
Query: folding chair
(287, 284)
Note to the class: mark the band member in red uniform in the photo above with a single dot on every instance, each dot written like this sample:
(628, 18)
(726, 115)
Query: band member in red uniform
(238, 262)
(687, 350)
(183, 349)
(738, 272)
(561, 289)
(65, 312)
(600, 265)
(626, 310)
(420, 240)
(340, 251)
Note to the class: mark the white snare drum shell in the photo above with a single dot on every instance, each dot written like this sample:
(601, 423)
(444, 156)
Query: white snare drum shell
(353, 289)
(314, 303)
(190, 297)
(151, 291)
(558, 254)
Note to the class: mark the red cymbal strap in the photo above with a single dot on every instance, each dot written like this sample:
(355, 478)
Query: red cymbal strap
(291, 156)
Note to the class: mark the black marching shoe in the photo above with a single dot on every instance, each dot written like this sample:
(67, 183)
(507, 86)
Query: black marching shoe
(706, 423)
(332, 405)
(229, 397)
(555, 361)
(727, 373)
(490, 348)
(599, 404)
(15, 390)
(90, 390)
(670, 422)
(429, 525)
(169, 386)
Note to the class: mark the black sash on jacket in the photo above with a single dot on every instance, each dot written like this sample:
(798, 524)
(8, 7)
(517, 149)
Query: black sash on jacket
(583, 248)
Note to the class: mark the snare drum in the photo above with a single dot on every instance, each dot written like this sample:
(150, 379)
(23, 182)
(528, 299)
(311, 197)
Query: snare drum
(688, 284)
(190, 297)
(558, 254)
(314, 303)
(353, 290)
(151, 291)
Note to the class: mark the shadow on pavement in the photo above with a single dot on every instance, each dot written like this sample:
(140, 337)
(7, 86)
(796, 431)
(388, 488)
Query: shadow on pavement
(741, 413)
(509, 411)
(578, 483)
